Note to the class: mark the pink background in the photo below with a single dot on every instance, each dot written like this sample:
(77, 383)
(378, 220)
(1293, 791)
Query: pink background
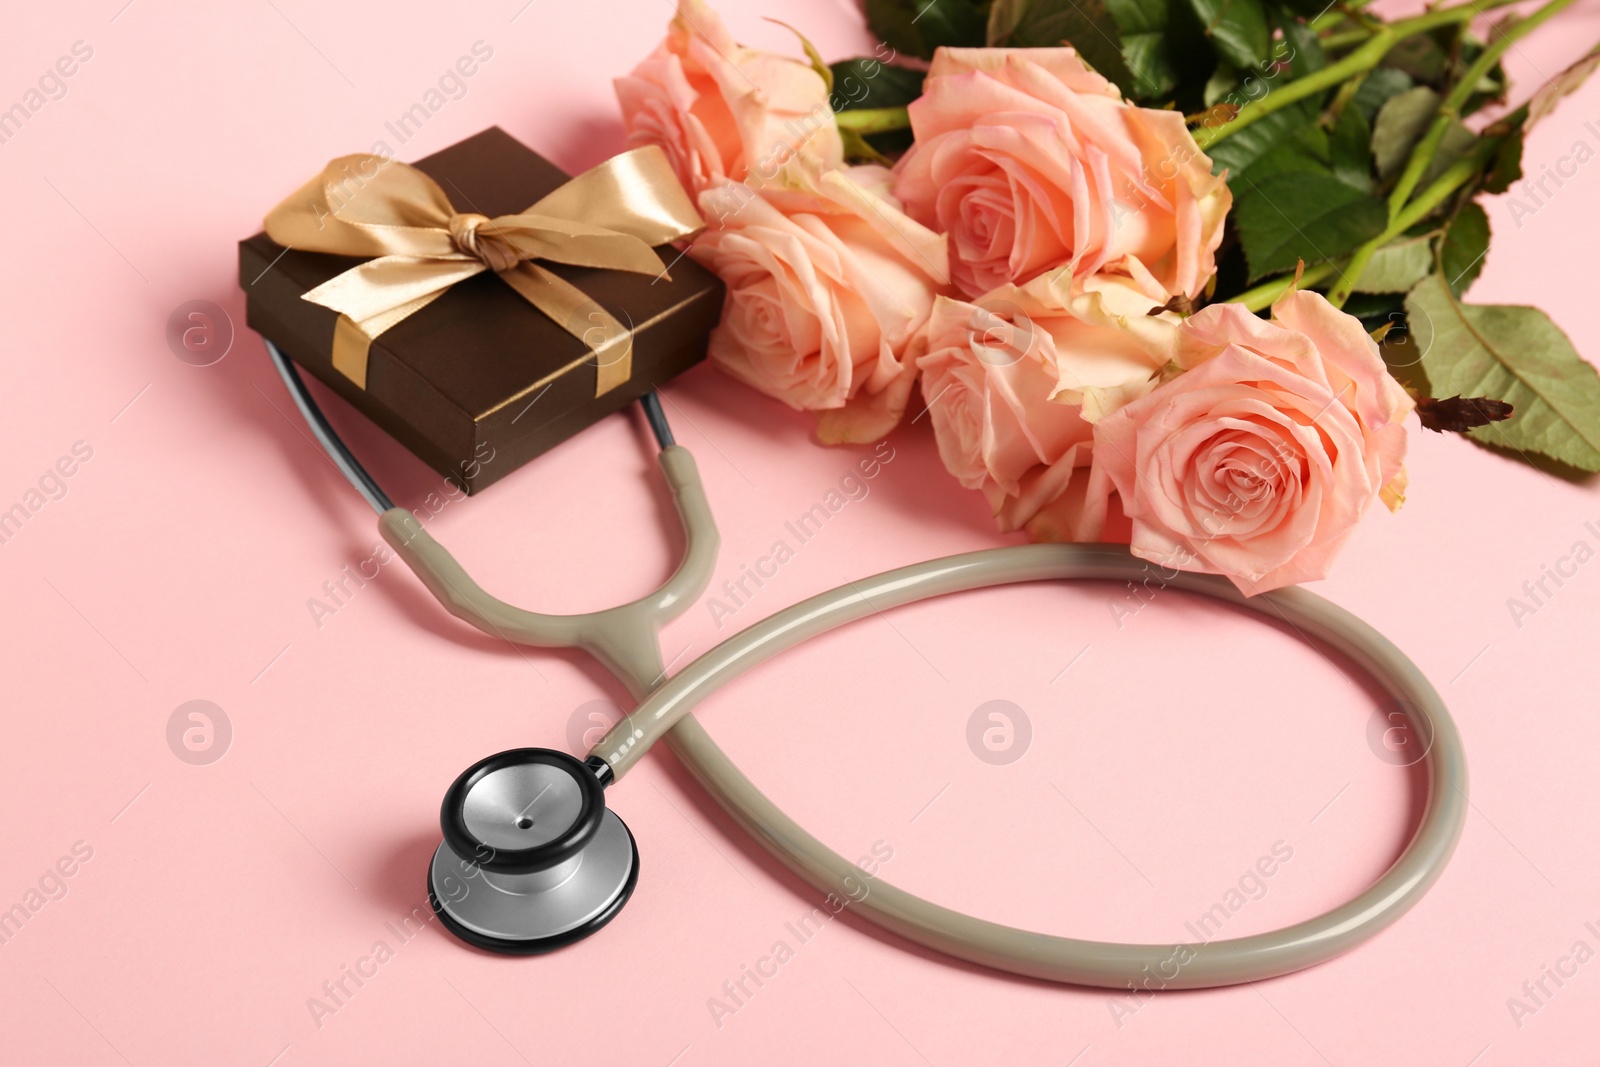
(1173, 752)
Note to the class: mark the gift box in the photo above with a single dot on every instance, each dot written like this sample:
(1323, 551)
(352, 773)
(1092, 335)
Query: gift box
(480, 370)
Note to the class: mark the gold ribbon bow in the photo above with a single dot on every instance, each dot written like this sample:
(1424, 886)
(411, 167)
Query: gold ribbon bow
(365, 205)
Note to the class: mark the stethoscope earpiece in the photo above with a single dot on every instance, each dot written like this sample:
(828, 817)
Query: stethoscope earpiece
(532, 859)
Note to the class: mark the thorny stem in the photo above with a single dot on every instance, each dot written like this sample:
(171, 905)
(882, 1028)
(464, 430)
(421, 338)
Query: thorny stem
(1450, 107)
(1363, 59)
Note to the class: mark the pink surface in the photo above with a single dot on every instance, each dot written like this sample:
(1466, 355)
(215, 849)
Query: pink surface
(1168, 753)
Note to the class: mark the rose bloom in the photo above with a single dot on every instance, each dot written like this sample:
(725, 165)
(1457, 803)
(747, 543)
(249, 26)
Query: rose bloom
(828, 283)
(1258, 461)
(1031, 162)
(722, 111)
(1015, 381)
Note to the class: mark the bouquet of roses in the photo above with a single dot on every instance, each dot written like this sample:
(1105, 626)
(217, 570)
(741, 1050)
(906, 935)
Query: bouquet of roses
(1169, 272)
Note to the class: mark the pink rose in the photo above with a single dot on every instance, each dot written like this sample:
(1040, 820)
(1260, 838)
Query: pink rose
(1258, 461)
(1031, 162)
(1015, 381)
(722, 111)
(827, 285)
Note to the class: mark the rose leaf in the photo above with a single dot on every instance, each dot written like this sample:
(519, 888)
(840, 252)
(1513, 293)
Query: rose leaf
(1306, 149)
(1507, 165)
(1085, 25)
(1398, 266)
(1302, 48)
(867, 82)
(1564, 84)
(1399, 125)
(1458, 141)
(1464, 248)
(917, 27)
(1244, 148)
(1309, 216)
(1424, 57)
(1220, 86)
(1148, 46)
(1238, 29)
(1518, 355)
(1379, 87)
(1350, 151)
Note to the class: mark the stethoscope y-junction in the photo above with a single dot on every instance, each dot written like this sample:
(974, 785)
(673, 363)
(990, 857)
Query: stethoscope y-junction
(532, 859)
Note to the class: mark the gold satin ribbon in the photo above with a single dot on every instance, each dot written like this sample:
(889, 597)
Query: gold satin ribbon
(365, 205)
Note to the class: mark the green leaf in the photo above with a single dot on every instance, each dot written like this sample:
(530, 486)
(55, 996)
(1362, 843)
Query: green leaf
(1381, 85)
(1238, 29)
(1151, 69)
(1140, 18)
(1159, 47)
(1086, 25)
(871, 83)
(1302, 47)
(1238, 152)
(1223, 80)
(1303, 216)
(917, 27)
(1567, 82)
(1147, 48)
(1514, 354)
(1507, 165)
(1377, 309)
(1464, 247)
(1423, 57)
(1458, 141)
(1398, 266)
(1350, 152)
(1400, 124)
(1304, 151)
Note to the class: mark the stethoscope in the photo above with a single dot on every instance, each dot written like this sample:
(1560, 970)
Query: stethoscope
(532, 859)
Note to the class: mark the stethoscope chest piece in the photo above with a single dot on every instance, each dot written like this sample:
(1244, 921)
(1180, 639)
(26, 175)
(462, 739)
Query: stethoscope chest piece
(531, 859)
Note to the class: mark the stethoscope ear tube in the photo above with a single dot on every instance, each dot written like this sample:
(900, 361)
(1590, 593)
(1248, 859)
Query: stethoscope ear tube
(341, 455)
(624, 637)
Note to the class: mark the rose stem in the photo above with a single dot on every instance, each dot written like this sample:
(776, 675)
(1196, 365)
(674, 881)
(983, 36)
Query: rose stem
(1362, 59)
(1342, 98)
(1335, 12)
(1410, 214)
(1336, 41)
(873, 119)
(1450, 108)
(1263, 295)
(1454, 177)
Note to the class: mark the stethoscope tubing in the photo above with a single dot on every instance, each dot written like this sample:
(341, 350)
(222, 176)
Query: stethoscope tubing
(1170, 965)
(624, 638)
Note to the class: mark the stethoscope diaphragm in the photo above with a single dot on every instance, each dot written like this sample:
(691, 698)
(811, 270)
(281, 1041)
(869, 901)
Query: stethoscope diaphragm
(532, 859)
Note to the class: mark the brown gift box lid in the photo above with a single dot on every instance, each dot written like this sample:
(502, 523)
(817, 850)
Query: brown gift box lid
(481, 370)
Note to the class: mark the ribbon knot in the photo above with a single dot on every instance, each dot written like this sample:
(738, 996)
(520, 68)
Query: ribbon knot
(609, 217)
(494, 251)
